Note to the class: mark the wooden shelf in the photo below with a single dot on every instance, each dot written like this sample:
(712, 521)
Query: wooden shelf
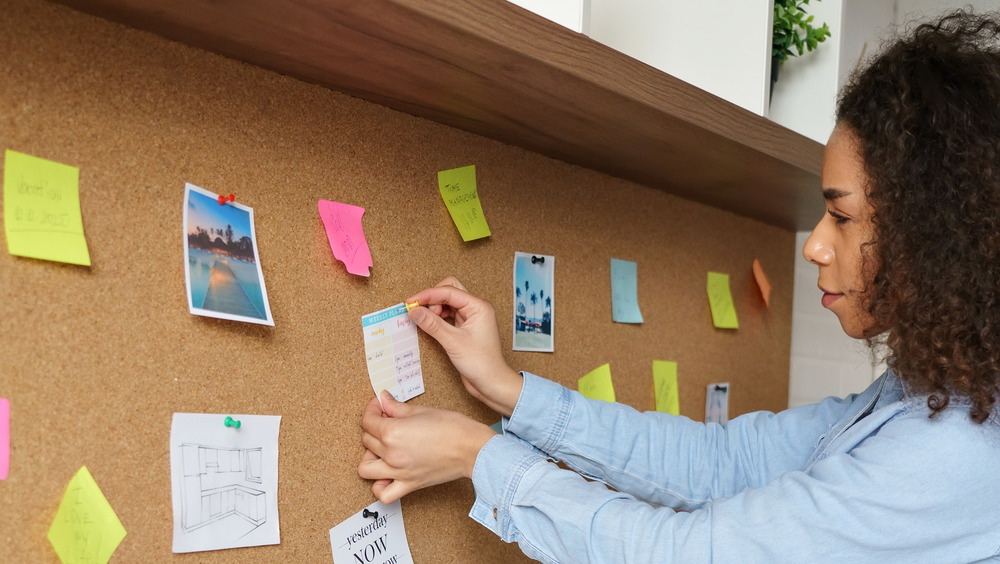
(495, 69)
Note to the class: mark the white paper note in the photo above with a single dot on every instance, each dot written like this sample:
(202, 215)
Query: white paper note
(224, 481)
(393, 353)
(373, 539)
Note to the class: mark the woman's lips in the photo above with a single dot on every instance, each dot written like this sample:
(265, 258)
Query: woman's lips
(829, 298)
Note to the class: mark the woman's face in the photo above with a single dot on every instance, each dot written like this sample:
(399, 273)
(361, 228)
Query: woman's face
(835, 245)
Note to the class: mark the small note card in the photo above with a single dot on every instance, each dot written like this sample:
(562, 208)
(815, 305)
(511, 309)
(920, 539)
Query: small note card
(624, 290)
(458, 189)
(596, 384)
(41, 209)
(721, 301)
(665, 387)
(717, 403)
(346, 236)
(375, 534)
(393, 353)
(86, 528)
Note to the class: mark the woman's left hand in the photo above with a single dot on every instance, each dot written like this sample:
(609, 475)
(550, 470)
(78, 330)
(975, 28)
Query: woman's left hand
(410, 447)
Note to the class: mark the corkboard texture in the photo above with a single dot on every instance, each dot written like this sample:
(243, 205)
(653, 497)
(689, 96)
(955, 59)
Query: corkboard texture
(95, 360)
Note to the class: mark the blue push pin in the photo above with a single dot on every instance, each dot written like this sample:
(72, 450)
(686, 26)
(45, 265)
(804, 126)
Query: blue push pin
(230, 422)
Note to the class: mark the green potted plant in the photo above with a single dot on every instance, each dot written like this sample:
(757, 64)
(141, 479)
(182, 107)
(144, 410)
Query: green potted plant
(793, 33)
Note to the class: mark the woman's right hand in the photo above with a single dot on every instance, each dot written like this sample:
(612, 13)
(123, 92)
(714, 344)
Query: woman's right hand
(472, 343)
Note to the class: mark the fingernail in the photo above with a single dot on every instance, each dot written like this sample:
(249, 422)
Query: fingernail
(417, 314)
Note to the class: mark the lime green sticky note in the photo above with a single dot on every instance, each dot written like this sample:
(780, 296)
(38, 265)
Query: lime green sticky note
(85, 529)
(41, 209)
(596, 384)
(458, 189)
(665, 387)
(721, 301)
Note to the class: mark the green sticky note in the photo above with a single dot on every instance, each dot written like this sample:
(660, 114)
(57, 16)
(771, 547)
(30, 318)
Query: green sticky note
(41, 209)
(596, 384)
(85, 529)
(721, 301)
(665, 387)
(458, 189)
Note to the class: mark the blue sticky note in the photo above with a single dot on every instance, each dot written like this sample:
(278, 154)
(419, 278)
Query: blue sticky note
(624, 290)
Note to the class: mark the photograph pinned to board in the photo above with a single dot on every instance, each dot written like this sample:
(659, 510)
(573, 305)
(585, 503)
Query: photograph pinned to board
(534, 302)
(374, 534)
(221, 265)
(224, 481)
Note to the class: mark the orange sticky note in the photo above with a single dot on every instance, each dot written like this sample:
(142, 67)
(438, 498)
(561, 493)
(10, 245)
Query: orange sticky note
(765, 286)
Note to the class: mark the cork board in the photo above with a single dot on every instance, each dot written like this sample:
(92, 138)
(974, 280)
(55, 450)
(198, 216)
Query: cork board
(96, 360)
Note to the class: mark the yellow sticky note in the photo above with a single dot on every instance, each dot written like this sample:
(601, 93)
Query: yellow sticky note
(85, 529)
(721, 301)
(596, 384)
(665, 387)
(458, 189)
(41, 209)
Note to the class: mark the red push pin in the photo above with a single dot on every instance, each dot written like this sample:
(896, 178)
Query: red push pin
(222, 199)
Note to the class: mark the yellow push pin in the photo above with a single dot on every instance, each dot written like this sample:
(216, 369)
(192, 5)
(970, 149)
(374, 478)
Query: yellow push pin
(413, 305)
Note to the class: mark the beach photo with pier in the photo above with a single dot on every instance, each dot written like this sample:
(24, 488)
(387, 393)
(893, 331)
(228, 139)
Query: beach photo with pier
(221, 265)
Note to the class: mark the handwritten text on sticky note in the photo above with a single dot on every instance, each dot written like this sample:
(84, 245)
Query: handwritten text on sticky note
(458, 189)
(41, 203)
(665, 387)
(86, 528)
(721, 301)
(346, 236)
(596, 384)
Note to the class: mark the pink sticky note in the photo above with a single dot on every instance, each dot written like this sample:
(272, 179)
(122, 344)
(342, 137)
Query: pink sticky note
(4, 438)
(347, 238)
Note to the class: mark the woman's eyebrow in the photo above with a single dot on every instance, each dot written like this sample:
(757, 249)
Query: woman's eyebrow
(834, 193)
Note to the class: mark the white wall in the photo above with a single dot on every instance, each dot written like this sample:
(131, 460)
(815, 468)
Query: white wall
(574, 14)
(921, 10)
(723, 47)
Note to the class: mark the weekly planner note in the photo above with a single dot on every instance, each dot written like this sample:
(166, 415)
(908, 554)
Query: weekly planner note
(393, 353)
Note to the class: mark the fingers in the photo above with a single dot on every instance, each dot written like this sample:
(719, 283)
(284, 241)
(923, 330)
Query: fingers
(374, 469)
(373, 445)
(433, 325)
(446, 295)
(392, 491)
(450, 280)
(394, 408)
(372, 420)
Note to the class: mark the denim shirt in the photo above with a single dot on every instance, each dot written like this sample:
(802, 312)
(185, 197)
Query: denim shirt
(867, 478)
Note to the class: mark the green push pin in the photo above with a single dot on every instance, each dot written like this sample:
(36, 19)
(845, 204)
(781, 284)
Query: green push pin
(230, 422)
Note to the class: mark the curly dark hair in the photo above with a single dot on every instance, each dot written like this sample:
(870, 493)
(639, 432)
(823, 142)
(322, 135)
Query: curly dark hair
(926, 114)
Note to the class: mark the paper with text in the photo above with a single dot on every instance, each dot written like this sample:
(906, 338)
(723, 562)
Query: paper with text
(4, 438)
(596, 384)
(721, 301)
(665, 387)
(41, 209)
(224, 481)
(346, 235)
(717, 403)
(393, 353)
(374, 539)
(762, 283)
(85, 529)
(458, 189)
(624, 292)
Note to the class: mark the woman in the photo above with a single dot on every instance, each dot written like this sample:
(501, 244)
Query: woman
(905, 471)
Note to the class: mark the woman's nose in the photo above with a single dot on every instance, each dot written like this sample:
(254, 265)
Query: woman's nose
(817, 250)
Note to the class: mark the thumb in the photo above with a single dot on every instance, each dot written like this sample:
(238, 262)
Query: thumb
(431, 324)
(391, 407)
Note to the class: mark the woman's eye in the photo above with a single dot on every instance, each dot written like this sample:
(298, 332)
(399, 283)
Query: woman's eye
(837, 216)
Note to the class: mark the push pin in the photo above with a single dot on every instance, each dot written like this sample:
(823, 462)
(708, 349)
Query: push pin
(223, 199)
(230, 422)
(535, 259)
(413, 305)
(372, 514)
